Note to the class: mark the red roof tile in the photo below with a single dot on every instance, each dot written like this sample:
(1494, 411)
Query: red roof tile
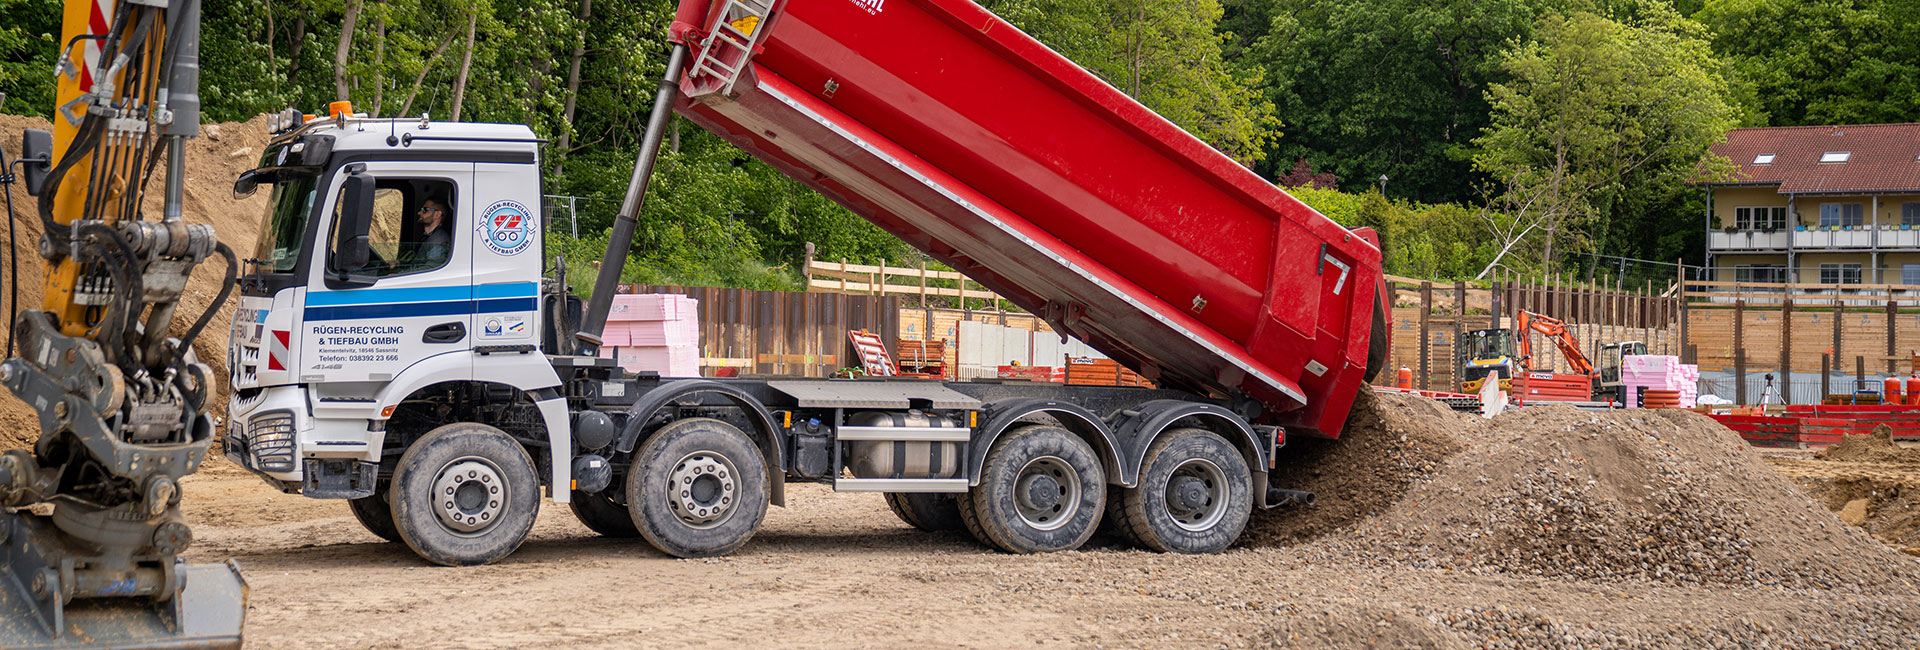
(1885, 157)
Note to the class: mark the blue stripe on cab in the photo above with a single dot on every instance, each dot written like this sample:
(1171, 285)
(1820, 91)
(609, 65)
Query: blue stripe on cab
(421, 294)
(360, 304)
(506, 290)
(372, 296)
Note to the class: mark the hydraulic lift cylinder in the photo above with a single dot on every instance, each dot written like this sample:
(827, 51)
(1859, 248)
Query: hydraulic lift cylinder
(621, 242)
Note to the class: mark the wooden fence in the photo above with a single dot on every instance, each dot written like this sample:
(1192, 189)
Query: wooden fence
(1430, 320)
(951, 287)
(1735, 328)
(781, 332)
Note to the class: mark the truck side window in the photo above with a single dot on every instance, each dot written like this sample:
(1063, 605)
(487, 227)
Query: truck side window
(412, 226)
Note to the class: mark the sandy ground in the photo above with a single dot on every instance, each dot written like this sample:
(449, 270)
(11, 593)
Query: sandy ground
(1358, 570)
(837, 570)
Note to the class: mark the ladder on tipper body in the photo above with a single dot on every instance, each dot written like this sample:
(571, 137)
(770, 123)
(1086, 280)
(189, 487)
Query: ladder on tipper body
(728, 46)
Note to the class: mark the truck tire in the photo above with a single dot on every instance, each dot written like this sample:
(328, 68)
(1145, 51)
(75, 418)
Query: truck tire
(602, 514)
(1195, 494)
(1113, 523)
(1041, 490)
(1377, 348)
(375, 514)
(698, 488)
(465, 494)
(934, 513)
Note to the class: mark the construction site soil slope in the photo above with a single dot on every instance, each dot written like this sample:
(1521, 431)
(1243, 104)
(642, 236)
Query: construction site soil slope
(1868, 481)
(214, 160)
(1546, 528)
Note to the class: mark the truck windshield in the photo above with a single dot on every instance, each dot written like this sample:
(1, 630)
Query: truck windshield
(288, 208)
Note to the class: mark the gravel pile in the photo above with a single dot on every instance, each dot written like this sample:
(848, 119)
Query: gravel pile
(1391, 440)
(1552, 491)
(1876, 447)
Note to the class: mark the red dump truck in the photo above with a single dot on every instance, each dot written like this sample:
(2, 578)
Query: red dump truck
(441, 399)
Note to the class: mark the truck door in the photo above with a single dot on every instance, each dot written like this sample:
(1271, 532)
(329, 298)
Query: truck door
(421, 302)
(505, 223)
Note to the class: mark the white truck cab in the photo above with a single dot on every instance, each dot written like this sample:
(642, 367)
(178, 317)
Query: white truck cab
(393, 254)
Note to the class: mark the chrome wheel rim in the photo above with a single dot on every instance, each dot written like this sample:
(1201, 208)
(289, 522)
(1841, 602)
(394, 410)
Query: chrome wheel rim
(1046, 493)
(1196, 495)
(468, 494)
(703, 489)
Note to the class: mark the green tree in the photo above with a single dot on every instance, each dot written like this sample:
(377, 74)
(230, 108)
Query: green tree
(1373, 87)
(29, 40)
(1166, 54)
(1822, 61)
(1598, 114)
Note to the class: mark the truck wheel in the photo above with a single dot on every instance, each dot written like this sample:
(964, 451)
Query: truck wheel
(1195, 494)
(934, 513)
(376, 514)
(465, 494)
(1041, 489)
(1114, 522)
(602, 514)
(697, 488)
(1377, 349)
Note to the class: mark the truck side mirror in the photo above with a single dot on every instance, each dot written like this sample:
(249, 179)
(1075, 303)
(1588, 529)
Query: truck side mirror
(36, 149)
(249, 181)
(350, 250)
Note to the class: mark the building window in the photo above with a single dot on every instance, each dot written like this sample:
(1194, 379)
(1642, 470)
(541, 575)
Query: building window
(1910, 214)
(1763, 159)
(1765, 273)
(1835, 156)
(1831, 273)
(1760, 218)
(1910, 274)
(1840, 214)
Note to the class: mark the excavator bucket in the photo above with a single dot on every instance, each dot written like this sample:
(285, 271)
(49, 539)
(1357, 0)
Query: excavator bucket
(205, 611)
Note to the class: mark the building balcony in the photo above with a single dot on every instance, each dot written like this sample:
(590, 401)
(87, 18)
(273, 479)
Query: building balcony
(1747, 240)
(1895, 237)
(1815, 238)
(1818, 237)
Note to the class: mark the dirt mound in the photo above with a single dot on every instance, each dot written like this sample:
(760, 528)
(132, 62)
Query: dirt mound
(1390, 441)
(213, 160)
(1667, 496)
(1875, 447)
(1890, 510)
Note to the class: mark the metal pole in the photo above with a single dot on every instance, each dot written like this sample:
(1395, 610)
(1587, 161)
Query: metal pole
(621, 242)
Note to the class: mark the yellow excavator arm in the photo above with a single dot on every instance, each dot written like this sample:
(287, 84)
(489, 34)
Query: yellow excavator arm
(120, 400)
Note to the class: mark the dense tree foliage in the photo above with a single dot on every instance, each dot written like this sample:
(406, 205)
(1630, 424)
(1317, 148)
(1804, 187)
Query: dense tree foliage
(1384, 87)
(1822, 61)
(1541, 128)
(1600, 120)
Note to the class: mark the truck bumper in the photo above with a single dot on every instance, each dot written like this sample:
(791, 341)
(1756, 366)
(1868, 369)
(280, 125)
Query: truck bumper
(271, 434)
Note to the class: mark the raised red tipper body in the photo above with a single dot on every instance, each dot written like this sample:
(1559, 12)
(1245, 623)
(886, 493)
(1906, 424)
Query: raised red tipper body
(974, 142)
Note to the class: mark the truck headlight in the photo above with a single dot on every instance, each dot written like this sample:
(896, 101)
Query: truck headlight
(270, 441)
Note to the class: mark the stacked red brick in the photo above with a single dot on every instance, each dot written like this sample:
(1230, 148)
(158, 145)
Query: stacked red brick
(922, 359)
(1084, 371)
(654, 332)
(1053, 374)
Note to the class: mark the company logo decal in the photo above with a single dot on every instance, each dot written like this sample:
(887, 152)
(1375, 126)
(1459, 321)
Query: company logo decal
(872, 6)
(507, 227)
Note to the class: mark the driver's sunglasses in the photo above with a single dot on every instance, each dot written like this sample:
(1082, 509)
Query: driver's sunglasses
(425, 208)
